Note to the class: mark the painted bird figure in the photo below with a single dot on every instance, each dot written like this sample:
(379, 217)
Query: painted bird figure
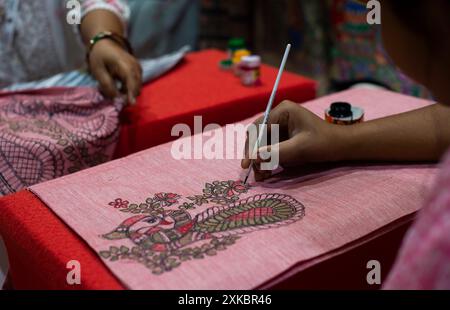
(177, 229)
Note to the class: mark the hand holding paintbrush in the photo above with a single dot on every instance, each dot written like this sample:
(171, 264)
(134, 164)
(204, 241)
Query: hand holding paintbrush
(267, 113)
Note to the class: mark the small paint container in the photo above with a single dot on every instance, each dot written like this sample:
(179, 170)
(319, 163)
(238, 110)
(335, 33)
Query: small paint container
(343, 113)
(250, 70)
(238, 55)
(234, 45)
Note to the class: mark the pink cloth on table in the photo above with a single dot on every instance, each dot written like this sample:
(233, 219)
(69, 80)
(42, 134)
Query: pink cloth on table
(49, 133)
(159, 223)
(424, 260)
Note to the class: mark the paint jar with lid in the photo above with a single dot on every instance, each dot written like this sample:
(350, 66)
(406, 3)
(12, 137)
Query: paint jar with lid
(238, 55)
(343, 113)
(250, 69)
(234, 45)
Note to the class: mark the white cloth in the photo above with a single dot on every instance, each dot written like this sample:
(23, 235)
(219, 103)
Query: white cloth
(151, 69)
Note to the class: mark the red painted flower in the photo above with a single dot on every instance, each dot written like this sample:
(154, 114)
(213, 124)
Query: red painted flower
(233, 188)
(159, 248)
(239, 187)
(167, 199)
(119, 203)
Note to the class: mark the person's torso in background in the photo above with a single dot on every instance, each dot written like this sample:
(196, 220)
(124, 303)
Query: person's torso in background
(45, 44)
(159, 27)
(36, 41)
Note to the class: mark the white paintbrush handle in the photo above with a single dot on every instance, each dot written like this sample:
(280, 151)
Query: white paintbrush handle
(269, 106)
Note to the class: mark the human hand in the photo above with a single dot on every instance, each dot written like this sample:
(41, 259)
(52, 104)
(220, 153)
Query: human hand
(109, 62)
(304, 138)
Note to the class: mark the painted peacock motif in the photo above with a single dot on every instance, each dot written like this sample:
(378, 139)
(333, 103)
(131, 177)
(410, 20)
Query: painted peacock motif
(165, 238)
(178, 229)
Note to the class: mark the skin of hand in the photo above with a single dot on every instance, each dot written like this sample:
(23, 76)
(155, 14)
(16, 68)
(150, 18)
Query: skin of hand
(108, 61)
(304, 138)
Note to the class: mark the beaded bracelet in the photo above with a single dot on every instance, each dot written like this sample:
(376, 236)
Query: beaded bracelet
(122, 41)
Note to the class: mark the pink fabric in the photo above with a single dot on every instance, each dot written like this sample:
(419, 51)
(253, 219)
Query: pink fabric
(424, 260)
(159, 223)
(50, 133)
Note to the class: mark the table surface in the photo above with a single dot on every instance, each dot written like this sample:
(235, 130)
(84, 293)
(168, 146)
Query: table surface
(39, 244)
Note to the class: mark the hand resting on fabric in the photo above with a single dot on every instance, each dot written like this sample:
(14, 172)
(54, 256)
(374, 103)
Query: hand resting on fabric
(108, 61)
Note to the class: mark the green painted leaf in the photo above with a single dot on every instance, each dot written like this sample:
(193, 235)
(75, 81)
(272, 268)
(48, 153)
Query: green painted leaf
(232, 225)
(211, 252)
(239, 223)
(220, 247)
(105, 254)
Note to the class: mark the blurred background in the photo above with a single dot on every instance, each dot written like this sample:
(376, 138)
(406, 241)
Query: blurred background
(331, 38)
(332, 42)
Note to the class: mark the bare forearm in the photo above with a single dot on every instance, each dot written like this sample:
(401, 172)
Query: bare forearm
(98, 21)
(421, 135)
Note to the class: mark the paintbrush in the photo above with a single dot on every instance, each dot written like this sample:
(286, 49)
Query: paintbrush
(268, 109)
